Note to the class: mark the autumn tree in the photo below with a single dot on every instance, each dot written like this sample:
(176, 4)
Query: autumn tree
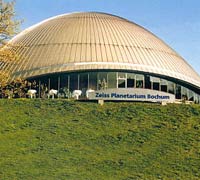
(8, 24)
(8, 28)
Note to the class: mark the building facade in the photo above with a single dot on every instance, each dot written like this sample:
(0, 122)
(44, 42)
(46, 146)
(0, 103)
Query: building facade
(98, 51)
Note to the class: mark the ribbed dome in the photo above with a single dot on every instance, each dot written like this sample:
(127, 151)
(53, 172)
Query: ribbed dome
(90, 41)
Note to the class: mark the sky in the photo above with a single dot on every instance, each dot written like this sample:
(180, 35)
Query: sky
(176, 22)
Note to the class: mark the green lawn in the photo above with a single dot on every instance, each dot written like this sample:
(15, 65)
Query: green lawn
(60, 139)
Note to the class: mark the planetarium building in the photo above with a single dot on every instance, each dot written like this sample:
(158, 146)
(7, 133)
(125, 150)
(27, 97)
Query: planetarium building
(107, 54)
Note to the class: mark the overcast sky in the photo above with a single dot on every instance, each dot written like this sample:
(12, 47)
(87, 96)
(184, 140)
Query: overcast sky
(177, 22)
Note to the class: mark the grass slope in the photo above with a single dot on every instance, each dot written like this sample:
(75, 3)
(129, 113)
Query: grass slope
(56, 139)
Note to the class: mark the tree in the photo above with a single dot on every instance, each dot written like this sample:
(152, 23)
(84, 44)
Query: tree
(8, 24)
(8, 28)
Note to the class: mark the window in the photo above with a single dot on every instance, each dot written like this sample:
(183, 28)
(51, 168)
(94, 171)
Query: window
(171, 87)
(147, 82)
(121, 83)
(196, 98)
(93, 80)
(83, 82)
(184, 93)
(164, 85)
(64, 85)
(102, 80)
(73, 82)
(121, 78)
(139, 81)
(155, 83)
(64, 81)
(190, 95)
(178, 91)
(130, 80)
(112, 80)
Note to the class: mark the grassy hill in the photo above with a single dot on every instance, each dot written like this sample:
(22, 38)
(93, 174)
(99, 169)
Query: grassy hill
(59, 139)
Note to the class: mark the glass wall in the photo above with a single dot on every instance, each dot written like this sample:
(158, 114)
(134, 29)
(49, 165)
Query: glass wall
(148, 83)
(163, 85)
(83, 83)
(74, 82)
(64, 81)
(104, 80)
(139, 81)
(184, 93)
(171, 87)
(121, 80)
(190, 95)
(155, 83)
(112, 80)
(93, 80)
(178, 91)
(54, 82)
(43, 86)
(64, 85)
(131, 80)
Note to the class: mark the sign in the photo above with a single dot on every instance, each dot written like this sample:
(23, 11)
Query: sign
(132, 94)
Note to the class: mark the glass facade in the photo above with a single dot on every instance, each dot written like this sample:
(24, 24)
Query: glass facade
(103, 80)
(92, 80)
(121, 80)
(130, 80)
(139, 81)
